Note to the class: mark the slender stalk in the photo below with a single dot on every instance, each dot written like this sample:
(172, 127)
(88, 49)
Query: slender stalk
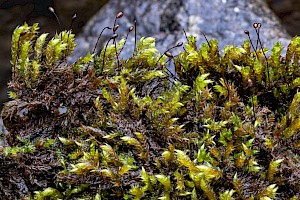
(254, 49)
(256, 26)
(73, 19)
(206, 39)
(262, 48)
(135, 25)
(115, 28)
(114, 36)
(103, 61)
(53, 11)
(165, 53)
(169, 54)
(187, 39)
(100, 37)
(129, 30)
(117, 55)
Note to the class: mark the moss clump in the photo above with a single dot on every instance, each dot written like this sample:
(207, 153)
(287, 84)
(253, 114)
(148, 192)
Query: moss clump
(107, 128)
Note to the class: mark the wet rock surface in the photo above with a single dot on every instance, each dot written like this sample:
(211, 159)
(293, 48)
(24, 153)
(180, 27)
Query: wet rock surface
(224, 20)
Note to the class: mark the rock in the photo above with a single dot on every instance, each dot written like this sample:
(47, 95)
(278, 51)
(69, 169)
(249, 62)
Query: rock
(3, 132)
(288, 12)
(224, 20)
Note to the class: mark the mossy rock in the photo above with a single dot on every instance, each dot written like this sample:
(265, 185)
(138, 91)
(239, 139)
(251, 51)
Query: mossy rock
(226, 126)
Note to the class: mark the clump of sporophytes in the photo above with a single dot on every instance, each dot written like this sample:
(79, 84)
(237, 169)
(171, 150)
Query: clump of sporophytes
(227, 127)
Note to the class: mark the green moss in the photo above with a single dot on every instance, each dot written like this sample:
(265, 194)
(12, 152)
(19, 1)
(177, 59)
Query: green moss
(227, 128)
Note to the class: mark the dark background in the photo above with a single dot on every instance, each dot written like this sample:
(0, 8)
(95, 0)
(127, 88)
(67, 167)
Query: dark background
(16, 12)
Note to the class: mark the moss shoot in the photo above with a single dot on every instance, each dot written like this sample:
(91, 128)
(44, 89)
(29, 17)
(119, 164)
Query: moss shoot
(225, 126)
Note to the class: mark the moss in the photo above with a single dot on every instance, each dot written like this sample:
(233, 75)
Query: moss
(108, 128)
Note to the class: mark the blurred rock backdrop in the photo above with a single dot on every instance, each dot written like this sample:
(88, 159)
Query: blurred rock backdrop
(16, 12)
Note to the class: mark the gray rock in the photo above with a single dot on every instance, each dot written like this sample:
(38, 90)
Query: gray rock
(224, 20)
(3, 132)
